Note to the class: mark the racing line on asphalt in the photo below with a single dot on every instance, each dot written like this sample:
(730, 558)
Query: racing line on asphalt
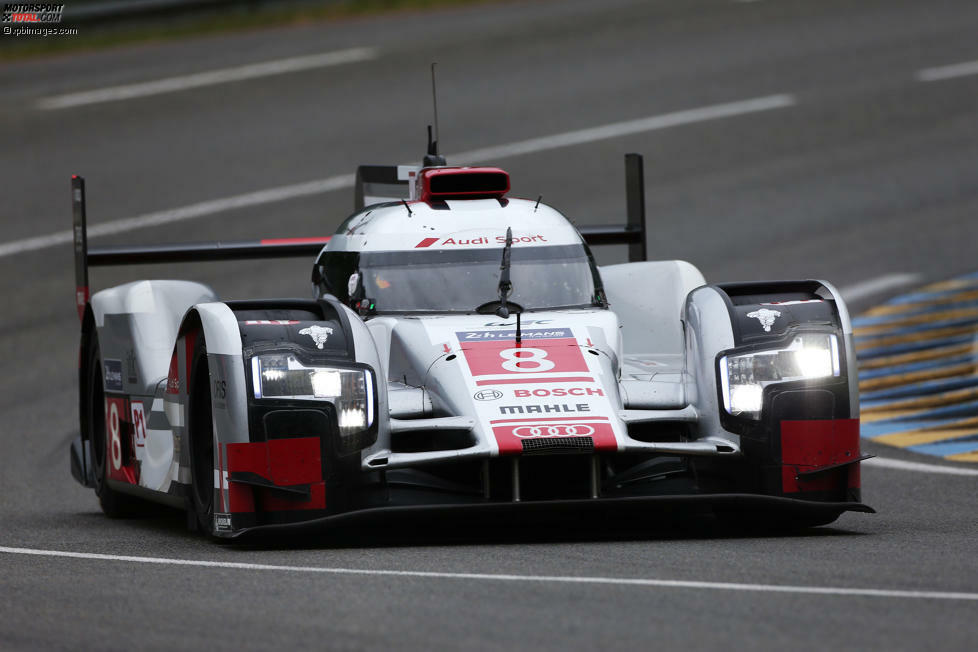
(948, 72)
(904, 465)
(346, 181)
(500, 577)
(878, 285)
(208, 78)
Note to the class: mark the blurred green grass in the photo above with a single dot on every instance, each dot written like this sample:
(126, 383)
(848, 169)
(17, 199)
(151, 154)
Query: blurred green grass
(247, 16)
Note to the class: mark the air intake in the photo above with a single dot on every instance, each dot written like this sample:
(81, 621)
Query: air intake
(558, 445)
(462, 183)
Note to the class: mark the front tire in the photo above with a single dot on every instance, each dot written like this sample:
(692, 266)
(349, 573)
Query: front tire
(200, 430)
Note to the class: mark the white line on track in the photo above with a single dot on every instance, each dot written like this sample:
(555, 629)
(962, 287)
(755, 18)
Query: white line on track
(556, 579)
(877, 285)
(208, 78)
(627, 128)
(282, 193)
(192, 211)
(903, 465)
(948, 72)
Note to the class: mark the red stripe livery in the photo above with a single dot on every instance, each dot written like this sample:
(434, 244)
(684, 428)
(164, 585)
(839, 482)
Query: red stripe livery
(810, 445)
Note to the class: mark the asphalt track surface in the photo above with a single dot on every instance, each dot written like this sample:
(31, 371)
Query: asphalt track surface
(867, 172)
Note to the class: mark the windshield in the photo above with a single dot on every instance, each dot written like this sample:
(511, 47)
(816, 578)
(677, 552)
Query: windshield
(460, 281)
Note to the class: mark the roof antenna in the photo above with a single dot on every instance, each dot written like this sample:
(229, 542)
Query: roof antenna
(407, 206)
(432, 158)
(539, 199)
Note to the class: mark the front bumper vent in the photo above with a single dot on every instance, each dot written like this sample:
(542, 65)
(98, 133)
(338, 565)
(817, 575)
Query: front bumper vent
(558, 445)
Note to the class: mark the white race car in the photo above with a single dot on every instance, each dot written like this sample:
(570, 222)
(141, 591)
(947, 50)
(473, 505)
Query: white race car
(462, 353)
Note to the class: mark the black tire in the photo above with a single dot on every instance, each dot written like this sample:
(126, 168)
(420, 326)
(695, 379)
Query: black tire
(112, 502)
(200, 433)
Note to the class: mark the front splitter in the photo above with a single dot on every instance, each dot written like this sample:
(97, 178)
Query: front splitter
(772, 509)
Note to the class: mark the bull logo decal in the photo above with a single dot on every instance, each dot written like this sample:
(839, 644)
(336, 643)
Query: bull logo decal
(319, 334)
(765, 316)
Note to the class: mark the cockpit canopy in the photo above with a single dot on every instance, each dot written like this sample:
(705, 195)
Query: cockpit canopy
(460, 280)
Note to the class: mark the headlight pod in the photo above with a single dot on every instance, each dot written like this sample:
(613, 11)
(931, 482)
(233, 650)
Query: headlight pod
(350, 390)
(743, 377)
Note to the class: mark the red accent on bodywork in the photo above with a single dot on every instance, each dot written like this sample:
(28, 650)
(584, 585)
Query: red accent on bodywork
(520, 381)
(81, 300)
(483, 182)
(563, 355)
(284, 462)
(809, 445)
(250, 458)
(116, 429)
(294, 461)
(172, 377)
(427, 242)
(280, 241)
(189, 339)
(220, 470)
(240, 496)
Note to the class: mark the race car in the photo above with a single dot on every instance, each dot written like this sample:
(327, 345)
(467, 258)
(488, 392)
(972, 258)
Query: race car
(462, 354)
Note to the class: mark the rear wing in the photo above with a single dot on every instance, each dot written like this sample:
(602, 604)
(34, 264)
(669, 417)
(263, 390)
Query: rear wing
(383, 183)
(86, 256)
(374, 183)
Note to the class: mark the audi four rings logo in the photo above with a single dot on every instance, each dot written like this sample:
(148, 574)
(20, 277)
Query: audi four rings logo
(487, 395)
(532, 432)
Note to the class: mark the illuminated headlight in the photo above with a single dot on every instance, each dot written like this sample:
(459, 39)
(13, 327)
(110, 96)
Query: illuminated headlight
(744, 377)
(282, 375)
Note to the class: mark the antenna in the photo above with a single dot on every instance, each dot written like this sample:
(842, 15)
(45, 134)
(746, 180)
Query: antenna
(432, 158)
(434, 102)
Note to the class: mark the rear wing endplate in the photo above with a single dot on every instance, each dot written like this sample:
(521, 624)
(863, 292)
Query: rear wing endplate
(382, 183)
(86, 257)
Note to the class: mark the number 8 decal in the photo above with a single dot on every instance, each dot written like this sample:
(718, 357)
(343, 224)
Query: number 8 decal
(115, 442)
(518, 359)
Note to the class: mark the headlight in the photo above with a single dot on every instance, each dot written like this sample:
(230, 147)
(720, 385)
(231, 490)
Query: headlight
(744, 377)
(282, 375)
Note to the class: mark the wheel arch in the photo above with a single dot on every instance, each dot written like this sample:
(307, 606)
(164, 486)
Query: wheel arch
(214, 326)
